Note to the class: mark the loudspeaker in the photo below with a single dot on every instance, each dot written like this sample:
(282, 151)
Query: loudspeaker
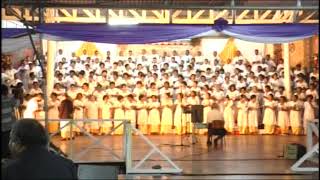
(294, 151)
(100, 170)
(197, 113)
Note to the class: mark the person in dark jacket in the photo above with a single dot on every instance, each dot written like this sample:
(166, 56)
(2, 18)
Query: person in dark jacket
(29, 145)
(7, 120)
(66, 110)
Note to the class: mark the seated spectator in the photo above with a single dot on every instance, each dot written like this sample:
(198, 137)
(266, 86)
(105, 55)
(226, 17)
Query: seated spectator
(213, 116)
(29, 144)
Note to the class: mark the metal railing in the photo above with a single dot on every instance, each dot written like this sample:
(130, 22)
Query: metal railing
(127, 144)
(312, 128)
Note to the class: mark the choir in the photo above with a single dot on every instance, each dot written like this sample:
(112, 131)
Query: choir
(152, 91)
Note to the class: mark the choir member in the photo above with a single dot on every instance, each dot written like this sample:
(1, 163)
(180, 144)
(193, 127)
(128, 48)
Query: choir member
(154, 115)
(78, 114)
(253, 108)
(283, 116)
(142, 113)
(166, 114)
(119, 113)
(269, 117)
(105, 112)
(53, 113)
(242, 116)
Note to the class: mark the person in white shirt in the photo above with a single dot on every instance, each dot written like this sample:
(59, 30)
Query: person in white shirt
(32, 106)
(313, 91)
(71, 79)
(59, 78)
(298, 70)
(315, 73)
(96, 55)
(32, 68)
(165, 57)
(59, 56)
(176, 56)
(73, 57)
(205, 65)
(301, 83)
(280, 65)
(187, 57)
(215, 57)
(270, 62)
(237, 57)
(154, 55)
(84, 55)
(240, 65)
(199, 58)
(35, 88)
(121, 56)
(81, 79)
(216, 66)
(228, 68)
(256, 57)
(309, 114)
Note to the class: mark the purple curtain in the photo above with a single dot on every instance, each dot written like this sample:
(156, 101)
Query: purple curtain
(267, 33)
(13, 32)
(122, 34)
(153, 33)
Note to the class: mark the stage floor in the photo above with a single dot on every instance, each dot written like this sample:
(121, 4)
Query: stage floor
(240, 157)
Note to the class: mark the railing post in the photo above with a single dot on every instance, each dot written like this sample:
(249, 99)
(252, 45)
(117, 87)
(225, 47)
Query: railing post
(71, 138)
(127, 145)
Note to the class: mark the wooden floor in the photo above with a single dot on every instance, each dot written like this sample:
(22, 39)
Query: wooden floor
(240, 157)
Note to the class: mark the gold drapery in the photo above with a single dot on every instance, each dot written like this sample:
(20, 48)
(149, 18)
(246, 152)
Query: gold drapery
(228, 52)
(89, 46)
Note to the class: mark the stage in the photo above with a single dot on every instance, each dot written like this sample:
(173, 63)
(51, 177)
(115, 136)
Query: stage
(241, 156)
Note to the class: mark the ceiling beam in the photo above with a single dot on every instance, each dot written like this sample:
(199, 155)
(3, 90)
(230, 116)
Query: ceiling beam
(153, 5)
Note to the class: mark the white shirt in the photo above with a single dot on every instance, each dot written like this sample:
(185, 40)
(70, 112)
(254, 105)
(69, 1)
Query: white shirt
(31, 107)
(255, 58)
(186, 58)
(213, 115)
(236, 59)
(59, 57)
(314, 93)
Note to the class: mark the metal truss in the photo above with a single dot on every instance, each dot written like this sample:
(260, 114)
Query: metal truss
(154, 150)
(171, 4)
(204, 16)
(312, 127)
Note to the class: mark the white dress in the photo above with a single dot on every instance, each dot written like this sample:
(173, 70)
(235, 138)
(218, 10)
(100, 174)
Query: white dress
(31, 107)
(142, 113)
(253, 115)
(154, 115)
(118, 114)
(269, 116)
(309, 113)
(92, 109)
(228, 115)
(207, 107)
(53, 113)
(242, 117)
(106, 114)
(233, 94)
(78, 111)
(178, 116)
(166, 116)
(295, 116)
(130, 113)
(283, 117)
